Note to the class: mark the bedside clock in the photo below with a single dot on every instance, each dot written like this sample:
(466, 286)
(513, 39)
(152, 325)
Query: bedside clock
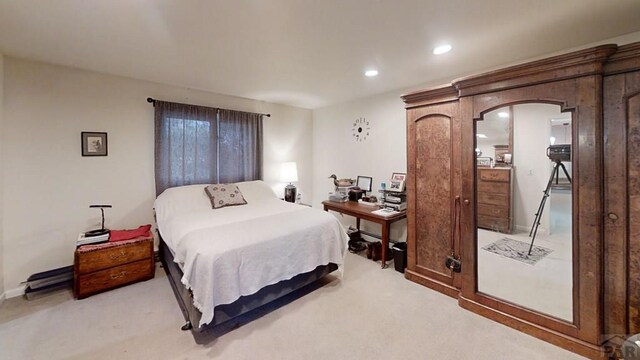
(360, 130)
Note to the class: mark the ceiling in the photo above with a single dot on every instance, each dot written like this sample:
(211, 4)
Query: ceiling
(305, 53)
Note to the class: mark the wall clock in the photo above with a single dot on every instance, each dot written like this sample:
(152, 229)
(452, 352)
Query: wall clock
(360, 130)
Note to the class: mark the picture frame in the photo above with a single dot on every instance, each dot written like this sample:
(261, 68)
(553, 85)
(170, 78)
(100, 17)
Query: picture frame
(483, 161)
(364, 183)
(399, 176)
(94, 143)
(396, 185)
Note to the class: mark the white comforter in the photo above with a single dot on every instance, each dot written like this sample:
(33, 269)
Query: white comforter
(236, 252)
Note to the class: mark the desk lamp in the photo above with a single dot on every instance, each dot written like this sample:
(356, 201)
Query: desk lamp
(102, 230)
(289, 173)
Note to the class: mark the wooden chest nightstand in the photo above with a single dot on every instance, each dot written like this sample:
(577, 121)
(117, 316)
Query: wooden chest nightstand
(106, 266)
(495, 187)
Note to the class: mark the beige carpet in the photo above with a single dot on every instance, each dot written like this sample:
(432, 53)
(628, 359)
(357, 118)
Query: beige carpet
(370, 314)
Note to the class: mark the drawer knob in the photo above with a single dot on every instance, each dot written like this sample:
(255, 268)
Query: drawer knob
(118, 276)
(613, 216)
(466, 201)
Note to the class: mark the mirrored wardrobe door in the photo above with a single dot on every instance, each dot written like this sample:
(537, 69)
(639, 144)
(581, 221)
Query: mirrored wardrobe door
(523, 202)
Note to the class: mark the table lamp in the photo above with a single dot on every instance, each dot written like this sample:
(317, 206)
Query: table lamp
(289, 173)
(102, 230)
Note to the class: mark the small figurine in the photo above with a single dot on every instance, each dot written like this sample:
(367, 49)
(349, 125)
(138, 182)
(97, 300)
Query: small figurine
(341, 182)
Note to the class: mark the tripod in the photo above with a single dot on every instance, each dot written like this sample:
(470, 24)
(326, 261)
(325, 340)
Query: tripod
(536, 222)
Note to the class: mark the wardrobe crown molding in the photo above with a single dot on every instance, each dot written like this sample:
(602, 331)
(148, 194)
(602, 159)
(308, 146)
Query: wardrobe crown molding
(626, 59)
(566, 66)
(435, 95)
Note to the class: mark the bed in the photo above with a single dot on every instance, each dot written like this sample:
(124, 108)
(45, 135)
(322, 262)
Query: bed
(225, 262)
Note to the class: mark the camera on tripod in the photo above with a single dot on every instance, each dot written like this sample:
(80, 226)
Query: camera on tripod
(559, 152)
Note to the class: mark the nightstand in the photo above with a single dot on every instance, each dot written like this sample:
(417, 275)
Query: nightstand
(102, 267)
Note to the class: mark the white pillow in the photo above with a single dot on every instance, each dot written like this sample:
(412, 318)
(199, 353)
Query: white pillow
(256, 191)
(181, 199)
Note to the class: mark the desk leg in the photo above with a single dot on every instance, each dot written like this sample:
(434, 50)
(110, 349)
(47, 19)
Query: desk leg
(385, 243)
(358, 223)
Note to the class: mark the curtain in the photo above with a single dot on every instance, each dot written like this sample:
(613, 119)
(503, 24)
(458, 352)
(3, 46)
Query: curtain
(202, 145)
(240, 146)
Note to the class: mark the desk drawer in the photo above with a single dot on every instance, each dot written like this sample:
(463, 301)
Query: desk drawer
(110, 257)
(102, 280)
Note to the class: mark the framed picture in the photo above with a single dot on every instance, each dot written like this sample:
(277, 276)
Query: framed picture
(483, 161)
(396, 185)
(94, 143)
(399, 176)
(364, 183)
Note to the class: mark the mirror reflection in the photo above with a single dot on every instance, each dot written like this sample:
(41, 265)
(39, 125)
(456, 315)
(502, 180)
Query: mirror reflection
(523, 207)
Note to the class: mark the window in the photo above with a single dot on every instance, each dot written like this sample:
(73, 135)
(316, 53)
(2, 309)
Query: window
(201, 145)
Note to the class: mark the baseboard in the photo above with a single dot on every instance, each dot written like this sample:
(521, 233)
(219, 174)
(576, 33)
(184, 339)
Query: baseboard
(432, 284)
(19, 291)
(523, 228)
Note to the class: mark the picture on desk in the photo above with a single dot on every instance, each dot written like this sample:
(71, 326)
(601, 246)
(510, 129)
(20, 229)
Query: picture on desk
(399, 176)
(396, 185)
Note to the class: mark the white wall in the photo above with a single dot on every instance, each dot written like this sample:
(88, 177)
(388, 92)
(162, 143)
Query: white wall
(1, 177)
(48, 185)
(381, 154)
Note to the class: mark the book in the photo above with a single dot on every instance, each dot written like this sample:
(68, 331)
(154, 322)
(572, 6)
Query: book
(84, 240)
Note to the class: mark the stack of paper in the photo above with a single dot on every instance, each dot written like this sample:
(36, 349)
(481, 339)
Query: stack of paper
(385, 212)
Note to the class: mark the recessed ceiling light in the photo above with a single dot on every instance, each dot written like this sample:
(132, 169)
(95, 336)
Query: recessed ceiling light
(371, 73)
(442, 49)
(481, 136)
(503, 114)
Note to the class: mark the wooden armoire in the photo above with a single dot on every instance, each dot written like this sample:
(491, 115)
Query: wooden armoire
(600, 87)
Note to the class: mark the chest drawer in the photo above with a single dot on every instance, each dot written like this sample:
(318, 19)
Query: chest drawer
(494, 223)
(493, 199)
(494, 187)
(494, 175)
(102, 280)
(493, 210)
(117, 255)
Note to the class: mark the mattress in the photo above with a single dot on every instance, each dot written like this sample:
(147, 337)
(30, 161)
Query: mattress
(235, 251)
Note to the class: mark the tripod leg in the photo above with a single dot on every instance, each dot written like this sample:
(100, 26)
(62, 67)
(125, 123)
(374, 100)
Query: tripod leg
(565, 172)
(534, 229)
(536, 222)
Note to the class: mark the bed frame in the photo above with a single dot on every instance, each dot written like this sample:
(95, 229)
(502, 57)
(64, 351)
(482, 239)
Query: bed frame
(245, 304)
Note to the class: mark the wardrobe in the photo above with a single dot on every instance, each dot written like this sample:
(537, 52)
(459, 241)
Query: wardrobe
(575, 281)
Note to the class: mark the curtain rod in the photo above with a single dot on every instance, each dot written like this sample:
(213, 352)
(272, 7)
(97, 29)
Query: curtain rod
(153, 101)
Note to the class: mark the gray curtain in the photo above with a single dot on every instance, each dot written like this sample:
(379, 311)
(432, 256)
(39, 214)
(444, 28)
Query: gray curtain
(240, 146)
(202, 145)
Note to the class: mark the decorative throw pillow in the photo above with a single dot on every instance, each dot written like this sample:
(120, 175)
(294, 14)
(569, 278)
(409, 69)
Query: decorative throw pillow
(222, 195)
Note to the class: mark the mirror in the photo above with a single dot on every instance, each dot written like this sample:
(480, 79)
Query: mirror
(523, 193)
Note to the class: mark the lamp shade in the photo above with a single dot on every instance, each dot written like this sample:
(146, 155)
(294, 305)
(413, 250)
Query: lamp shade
(289, 172)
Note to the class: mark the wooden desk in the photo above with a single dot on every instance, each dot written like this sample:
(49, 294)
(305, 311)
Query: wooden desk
(365, 212)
